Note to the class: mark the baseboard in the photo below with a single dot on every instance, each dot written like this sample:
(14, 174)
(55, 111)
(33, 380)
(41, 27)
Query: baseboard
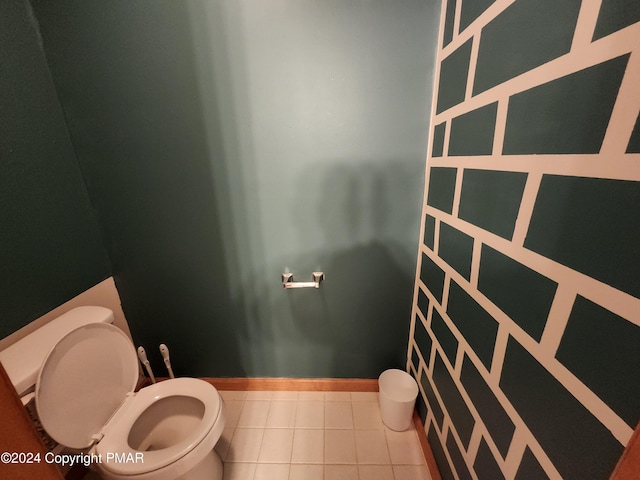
(299, 384)
(426, 449)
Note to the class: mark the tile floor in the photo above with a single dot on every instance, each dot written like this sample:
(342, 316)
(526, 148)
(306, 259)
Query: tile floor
(314, 436)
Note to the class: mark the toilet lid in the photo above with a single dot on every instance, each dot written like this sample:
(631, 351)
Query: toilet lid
(82, 382)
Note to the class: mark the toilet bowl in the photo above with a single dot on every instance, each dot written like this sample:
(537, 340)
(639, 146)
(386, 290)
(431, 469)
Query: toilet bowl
(86, 401)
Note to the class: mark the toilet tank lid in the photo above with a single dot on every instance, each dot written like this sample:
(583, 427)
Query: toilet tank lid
(23, 359)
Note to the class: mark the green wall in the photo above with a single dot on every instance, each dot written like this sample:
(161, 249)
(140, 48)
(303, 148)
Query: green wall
(50, 247)
(223, 142)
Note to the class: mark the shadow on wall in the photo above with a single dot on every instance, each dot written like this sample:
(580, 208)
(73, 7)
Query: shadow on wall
(358, 321)
(280, 206)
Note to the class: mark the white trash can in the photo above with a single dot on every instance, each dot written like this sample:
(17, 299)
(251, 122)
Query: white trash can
(397, 396)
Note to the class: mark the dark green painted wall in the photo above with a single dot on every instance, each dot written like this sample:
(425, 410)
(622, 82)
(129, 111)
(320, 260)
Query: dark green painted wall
(223, 142)
(50, 246)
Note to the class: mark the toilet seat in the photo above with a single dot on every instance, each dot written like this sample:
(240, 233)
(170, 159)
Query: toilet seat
(84, 379)
(84, 397)
(116, 432)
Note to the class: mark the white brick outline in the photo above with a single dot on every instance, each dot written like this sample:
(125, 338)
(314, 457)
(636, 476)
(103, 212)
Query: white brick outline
(604, 49)
(525, 211)
(587, 19)
(611, 163)
(625, 110)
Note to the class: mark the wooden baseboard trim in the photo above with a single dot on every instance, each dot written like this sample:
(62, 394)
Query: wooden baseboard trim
(426, 449)
(299, 384)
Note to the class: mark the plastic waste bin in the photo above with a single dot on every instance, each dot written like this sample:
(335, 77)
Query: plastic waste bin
(397, 396)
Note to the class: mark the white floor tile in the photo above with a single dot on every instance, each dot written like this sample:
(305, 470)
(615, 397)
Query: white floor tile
(410, 472)
(366, 416)
(371, 447)
(364, 396)
(314, 436)
(232, 412)
(276, 445)
(313, 396)
(282, 414)
(404, 447)
(375, 472)
(340, 472)
(232, 395)
(339, 447)
(308, 446)
(338, 415)
(245, 445)
(284, 395)
(337, 396)
(254, 413)
(239, 471)
(306, 472)
(258, 395)
(272, 471)
(222, 447)
(310, 414)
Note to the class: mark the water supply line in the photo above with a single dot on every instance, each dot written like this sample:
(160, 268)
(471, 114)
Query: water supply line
(164, 351)
(142, 355)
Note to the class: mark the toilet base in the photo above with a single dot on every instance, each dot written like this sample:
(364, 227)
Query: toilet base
(210, 468)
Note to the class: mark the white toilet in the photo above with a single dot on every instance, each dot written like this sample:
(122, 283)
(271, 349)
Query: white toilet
(86, 372)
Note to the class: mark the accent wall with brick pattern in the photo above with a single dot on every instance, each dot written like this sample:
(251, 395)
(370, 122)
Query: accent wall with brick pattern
(525, 335)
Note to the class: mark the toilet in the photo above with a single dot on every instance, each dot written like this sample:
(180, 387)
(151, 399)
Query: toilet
(82, 372)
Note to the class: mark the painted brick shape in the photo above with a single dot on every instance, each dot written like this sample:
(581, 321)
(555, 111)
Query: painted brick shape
(423, 340)
(422, 409)
(608, 364)
(530, 469)
(438, 140)
(429, 231)
(456, 248)
(522, 293)
(415, 360)
(453, 78)
(448, 22)
(472, 133)
(438, 451)
(442, 185)
(567, 115)
(491, 200)
(445, 338)
(453, 401)
(553, 414)
(596, 233)
(476, 325)
(433, 403)
(614, 15)
(456, 457)
(432, 276)
(472, 9)
(496, 420)
(485, 465)
(529, 33)
(423, 303)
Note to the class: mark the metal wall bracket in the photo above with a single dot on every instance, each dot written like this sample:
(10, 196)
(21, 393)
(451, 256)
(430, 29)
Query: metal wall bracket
(316, 279)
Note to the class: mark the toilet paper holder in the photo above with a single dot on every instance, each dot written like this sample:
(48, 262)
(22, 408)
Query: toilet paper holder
(316, 279)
